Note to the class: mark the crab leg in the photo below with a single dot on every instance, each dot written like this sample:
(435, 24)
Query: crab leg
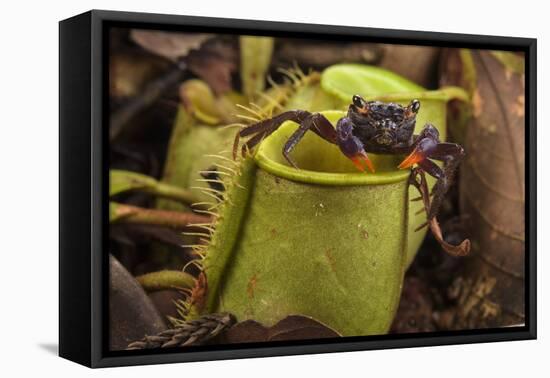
(427, 146)
(418, 180)
(266, 127)
(316, 123)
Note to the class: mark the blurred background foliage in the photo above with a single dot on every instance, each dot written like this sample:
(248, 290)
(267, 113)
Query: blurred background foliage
(172, 93)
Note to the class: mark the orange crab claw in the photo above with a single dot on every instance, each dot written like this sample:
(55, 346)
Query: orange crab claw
(359, 159)
(414, 157)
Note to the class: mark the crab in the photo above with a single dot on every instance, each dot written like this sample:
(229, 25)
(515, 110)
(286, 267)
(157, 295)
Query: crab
(373, 127)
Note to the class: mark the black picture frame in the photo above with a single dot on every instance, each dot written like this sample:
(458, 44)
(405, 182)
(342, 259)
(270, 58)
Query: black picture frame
(83, 261)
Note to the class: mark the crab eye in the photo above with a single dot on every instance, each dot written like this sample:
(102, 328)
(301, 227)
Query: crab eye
(415, 106)
(358, 101)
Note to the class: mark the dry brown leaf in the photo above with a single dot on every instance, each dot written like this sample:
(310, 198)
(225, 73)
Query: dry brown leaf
(293, 327)
(170, 45)
(492, 198)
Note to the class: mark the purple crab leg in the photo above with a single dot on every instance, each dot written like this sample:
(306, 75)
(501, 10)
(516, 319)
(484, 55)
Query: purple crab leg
(426, 147)
(266, 127)
(316, 123)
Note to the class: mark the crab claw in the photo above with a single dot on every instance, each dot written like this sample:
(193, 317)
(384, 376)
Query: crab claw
(426, 144)
(359, 159)
(414, 157)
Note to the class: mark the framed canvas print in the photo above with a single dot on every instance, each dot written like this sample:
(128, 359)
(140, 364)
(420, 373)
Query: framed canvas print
(234, 188)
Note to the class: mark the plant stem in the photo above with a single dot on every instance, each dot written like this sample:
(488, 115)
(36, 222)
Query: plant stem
(166, 279)
(121, 213)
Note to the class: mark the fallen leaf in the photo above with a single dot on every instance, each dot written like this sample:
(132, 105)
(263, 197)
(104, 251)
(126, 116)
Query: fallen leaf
(492, 197)
(170, 45)
(293, 327)
(477, 104)
(298, 327)
(248, 331)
